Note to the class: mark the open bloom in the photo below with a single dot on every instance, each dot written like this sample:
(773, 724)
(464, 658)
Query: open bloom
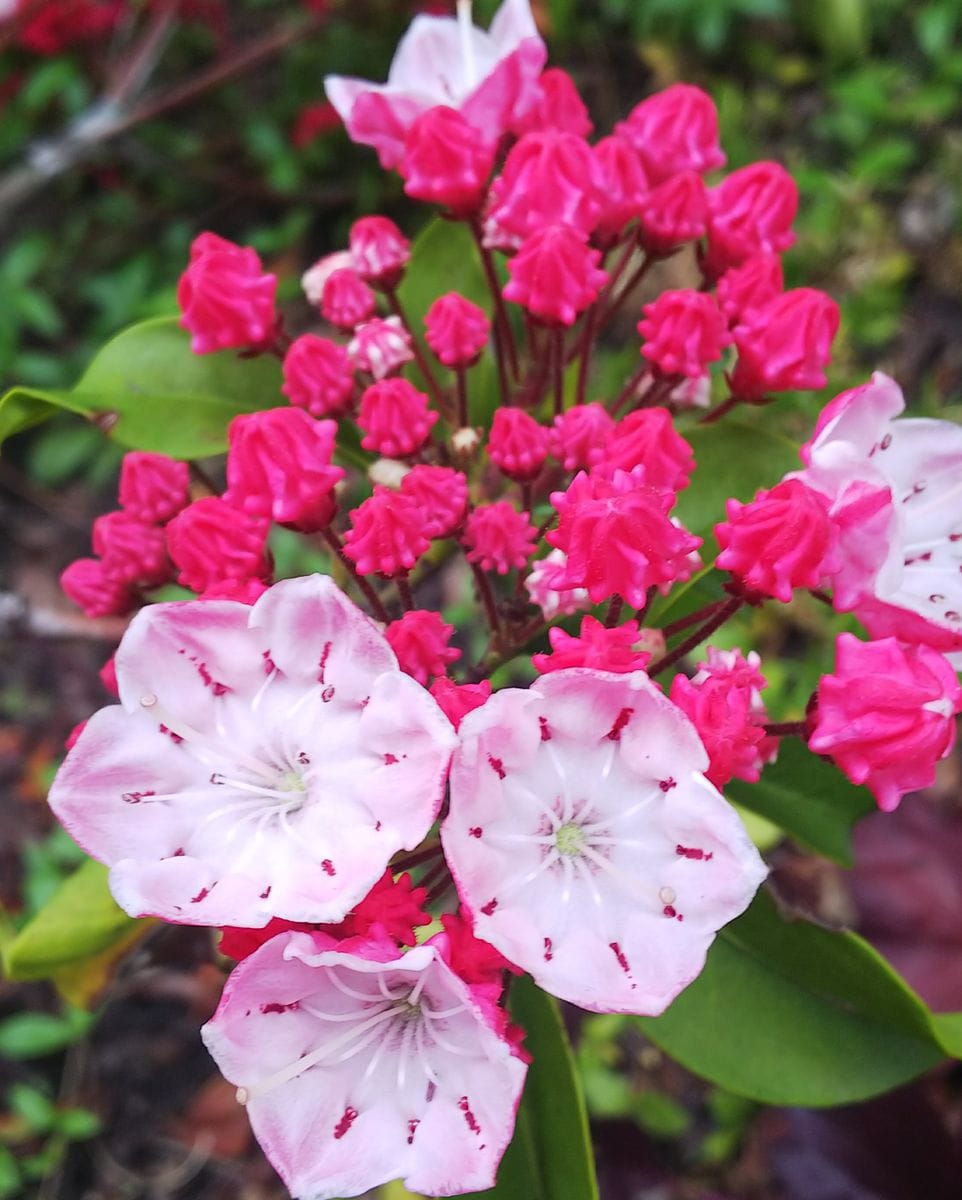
(587, 843)
(358, 1065)
(263, 761)
(490, 78)
(894, 488)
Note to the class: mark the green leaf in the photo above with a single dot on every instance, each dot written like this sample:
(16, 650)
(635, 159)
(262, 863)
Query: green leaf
(444, 258)
(32, 1035)
(80, 921)
(150, 392)
(808, 798)
(550, 1155)
(78, 1124)
(734, 458)
(32, 1107)
(787, 1012)
(948, 1030)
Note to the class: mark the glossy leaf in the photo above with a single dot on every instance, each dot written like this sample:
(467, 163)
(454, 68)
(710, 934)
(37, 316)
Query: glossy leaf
(148, 391)
(80, 921)
(787, 1012)
(808, 798)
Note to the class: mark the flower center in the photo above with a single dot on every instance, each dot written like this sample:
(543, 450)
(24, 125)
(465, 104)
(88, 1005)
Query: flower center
(291, 781)
(568, 839)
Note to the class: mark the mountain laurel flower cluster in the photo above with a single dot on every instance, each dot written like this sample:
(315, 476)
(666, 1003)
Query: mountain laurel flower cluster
(485, 733)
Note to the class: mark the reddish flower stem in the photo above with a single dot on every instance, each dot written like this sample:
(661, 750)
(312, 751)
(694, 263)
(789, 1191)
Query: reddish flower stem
(416, 857)
(487, 598)
(715, 621)
(501, 319)
(700, 614)
(628, 390)
(558, 370)
(437, 395)
(373, 599)
(404, 591)
(720, 411)
(462, 380)
(613, 614)
(787, 729)
(584, 363)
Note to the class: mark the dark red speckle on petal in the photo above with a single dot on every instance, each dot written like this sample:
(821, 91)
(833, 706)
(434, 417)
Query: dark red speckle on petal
(497, 766)
(322, 664)
(135, 797)
(545, 731)
(344, 1124)
(694, 853)
(328, 694)
(201, 895)
(412, 1129)
(465, 1106)
(620, 956)
(390, 760)
(328, 867)
(548, 951)
(667, 784)
(276, 1007)
(489, 908)
(622, 719)
(475, 831)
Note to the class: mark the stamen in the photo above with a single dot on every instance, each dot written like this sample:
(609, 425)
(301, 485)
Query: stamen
(368, 997)
(466, 28)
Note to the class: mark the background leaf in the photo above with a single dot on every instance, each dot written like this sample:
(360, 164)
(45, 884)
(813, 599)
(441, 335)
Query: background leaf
(152, 393)
(789, 1013)
(808, 798)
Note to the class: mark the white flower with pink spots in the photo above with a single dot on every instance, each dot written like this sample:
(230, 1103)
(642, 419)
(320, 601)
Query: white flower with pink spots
(263, 761)
(587, 843)
(358, 1066)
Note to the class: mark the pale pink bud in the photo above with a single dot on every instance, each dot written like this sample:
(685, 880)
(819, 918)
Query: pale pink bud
(379, 250)
(346, 300)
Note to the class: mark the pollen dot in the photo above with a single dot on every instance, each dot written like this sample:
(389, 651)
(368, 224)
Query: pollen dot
(148, 700)
(667, 895)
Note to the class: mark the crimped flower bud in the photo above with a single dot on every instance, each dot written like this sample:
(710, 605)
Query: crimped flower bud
(580, 433)
(315, 277)
(153, 487)
(558, 106)
(674, 130)
(648, 439)
(225, 298)
(674, 212)
(380, 346)
(279, 466)
(456, 700)
(379, 251)
(745, 289)
(132, 551)
(386, 535)
(750, 212)
(446, 161)
(86, 583)
(683, 332)
(420, 641)
(244, 591)
(595, 646)
(517, 444)
(555, 275)
(318, 376)
(211, 542)
(346, 300)
(441, 496)
(395, 418)
(624, 187)
(456, 330)
(545, 584)
(787, 345)
(885, 717)
(784, 539)
(498, 537)
(549, 178)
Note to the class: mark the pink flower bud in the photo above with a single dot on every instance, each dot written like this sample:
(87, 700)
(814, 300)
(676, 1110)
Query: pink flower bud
(395, 418)
(315, 277)
(153, 487)
(885, 717)
(132, 551)
(517, 443)
(545, 584)
(549, 178)
(745, 289)
(420, 641)
(226, 299)
(90, 588)
(108, 676)
(555, 275)
(675, 130)
(595, 646)
(456, 700)
(750, 212)
(386, 534)
(781, 541)
(579, 433)
(558, 106)
(619, 538)
(446, 161)
(498, 537)
(674, 212)
(211, 541)
(456, 330)
(683, 332)
(624, 187)
(279, 466)
(346, 300)
(318, 376)
(647, 438)
(380, 251)
(787, 345)
(722, 701)
(380, 346)
(441, 496)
